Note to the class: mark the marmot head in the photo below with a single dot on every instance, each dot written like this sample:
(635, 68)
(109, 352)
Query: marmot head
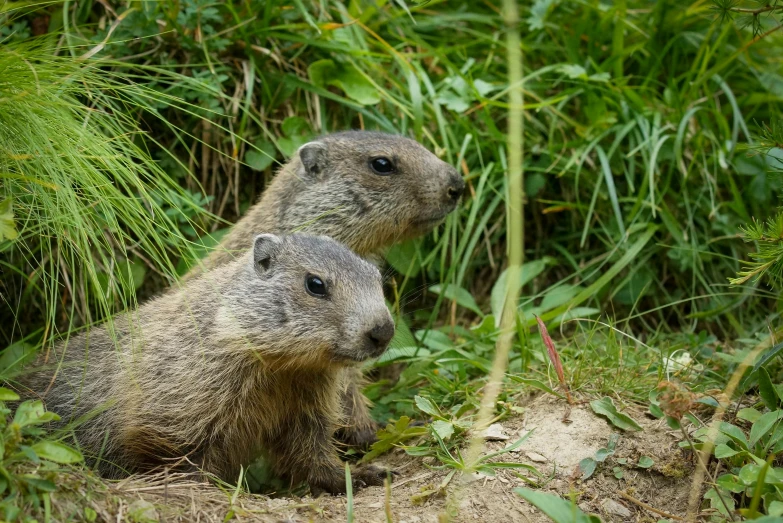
(370, 189)
(311, 301)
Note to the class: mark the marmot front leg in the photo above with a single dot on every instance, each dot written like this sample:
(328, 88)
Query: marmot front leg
(357, 429)
(305, 451)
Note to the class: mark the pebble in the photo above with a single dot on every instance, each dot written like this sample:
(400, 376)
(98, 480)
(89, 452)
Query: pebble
(495, 433)
(616, 509)
(536, 457)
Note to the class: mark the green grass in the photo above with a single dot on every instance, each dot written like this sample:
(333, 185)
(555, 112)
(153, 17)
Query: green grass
(638, 121)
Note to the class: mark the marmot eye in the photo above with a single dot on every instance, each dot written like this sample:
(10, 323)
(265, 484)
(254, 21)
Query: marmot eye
(315, 286)
(382, 166)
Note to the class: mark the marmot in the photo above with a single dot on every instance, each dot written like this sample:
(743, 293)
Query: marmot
(242, 361)
(365, 189)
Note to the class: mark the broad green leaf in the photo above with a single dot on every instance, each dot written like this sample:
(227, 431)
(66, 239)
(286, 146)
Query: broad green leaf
(15, 356)
(645, 462)
(673, 423)
(131, 273)
(602, 454)
(356, 86)
(573, 71)
(32, 412)
(560, 510)
(403, 337)
(724, 451)
(749, 414)
(768, 356)
(656, 411)
(484, 88)
(605, 407)
(443, 428)
(716, 501)
(486, 327)
(427, 406)
(260, 157)
(538, 13)
(775, 509)
(734, 433)
(326, 72)
(295, 125)
(766, 390)
(404, 258)
(763, 425)
(321, 71)
(57, 452)
(749, 474)
(558, 296)
(453, 293)
(435, 340)
(453, 101)
(731, 483)
(587, 466)
(8, 395)
(7, 224)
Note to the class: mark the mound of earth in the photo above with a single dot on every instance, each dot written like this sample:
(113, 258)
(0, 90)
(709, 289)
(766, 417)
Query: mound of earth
(559, 438)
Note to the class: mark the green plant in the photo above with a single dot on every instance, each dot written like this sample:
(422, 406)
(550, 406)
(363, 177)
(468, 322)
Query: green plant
(29, 462)
(558, 509)
(588, 466)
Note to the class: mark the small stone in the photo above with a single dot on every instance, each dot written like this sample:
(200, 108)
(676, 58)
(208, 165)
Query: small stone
(614, 508)
(495, 433)
(536, 457)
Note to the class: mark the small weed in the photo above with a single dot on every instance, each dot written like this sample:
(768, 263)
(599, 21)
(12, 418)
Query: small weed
(30, 463)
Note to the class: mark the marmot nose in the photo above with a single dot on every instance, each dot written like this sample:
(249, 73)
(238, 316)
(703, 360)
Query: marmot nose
(381, 334)
(455, 188)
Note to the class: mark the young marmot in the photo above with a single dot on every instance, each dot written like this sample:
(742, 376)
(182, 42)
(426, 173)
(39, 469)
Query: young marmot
(241, 362)
(365, 189)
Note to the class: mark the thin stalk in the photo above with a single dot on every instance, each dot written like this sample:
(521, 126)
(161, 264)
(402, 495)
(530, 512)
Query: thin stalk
(514, 241)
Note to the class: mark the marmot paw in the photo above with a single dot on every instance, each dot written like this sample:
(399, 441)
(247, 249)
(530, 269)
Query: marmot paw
(372, 476)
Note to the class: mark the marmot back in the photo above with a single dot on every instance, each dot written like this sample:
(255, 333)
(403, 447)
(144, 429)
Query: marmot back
(365, 189)
(242, 361)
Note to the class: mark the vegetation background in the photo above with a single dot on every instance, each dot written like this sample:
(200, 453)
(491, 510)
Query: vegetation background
(133, 133)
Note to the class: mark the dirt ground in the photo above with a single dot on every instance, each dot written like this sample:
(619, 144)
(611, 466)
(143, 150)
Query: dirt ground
(560, 439)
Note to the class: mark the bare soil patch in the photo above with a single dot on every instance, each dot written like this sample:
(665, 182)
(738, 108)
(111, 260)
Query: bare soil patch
(419, 494)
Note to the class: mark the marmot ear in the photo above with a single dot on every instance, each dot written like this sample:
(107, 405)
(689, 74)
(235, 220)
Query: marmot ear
(313, 157)
(265, 247)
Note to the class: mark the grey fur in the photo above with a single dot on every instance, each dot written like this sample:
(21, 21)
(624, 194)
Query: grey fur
(329, 188)
(240, 361)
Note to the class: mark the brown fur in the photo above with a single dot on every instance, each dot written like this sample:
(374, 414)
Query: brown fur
(240, 362)
(329, 188)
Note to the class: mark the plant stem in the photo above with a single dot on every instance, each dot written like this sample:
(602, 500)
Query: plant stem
(515, 237)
